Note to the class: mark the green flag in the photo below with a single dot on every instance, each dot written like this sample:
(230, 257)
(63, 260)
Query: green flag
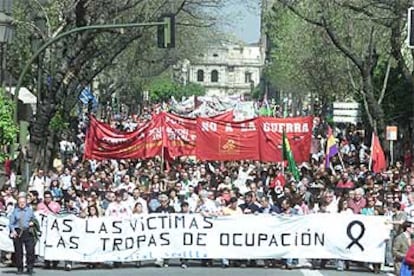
(288, 155)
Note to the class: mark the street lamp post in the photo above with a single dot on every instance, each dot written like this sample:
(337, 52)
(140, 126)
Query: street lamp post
(5, 37)
(6, 32)
(65, 34)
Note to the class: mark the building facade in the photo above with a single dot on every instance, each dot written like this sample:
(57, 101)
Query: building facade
(227, 69)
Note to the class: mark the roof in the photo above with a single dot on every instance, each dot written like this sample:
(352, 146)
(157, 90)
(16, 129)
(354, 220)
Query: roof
(25, 95)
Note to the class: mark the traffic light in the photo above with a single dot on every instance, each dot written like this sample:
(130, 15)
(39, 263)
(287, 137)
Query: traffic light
(166, 32)
(411, 27)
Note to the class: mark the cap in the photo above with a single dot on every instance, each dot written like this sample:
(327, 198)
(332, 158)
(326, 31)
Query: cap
(162, 197)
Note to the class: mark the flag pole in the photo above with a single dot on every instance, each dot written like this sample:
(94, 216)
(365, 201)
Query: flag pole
(332, 169)
(162, 158)
(283, 153)
(371, 149)
(341, 160)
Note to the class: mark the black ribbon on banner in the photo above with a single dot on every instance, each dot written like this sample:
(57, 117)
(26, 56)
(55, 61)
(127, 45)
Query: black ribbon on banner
(355, 240)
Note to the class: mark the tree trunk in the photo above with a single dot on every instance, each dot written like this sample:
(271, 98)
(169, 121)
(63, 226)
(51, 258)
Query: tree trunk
(40, 134)
(374, 108)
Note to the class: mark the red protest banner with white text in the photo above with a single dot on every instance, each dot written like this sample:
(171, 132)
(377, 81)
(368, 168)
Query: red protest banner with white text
(219, 140)
(102, 142)
(298, 131)
(180, 135)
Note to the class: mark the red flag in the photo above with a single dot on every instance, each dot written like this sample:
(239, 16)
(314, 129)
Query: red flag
(279, 180)
(377, 162)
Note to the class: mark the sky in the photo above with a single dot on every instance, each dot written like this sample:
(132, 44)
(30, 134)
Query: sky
(244, 22)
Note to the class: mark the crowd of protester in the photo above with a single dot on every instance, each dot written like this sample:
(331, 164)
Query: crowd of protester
(120, 188)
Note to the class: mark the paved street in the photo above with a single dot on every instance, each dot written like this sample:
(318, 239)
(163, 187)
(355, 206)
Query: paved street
(175, 270)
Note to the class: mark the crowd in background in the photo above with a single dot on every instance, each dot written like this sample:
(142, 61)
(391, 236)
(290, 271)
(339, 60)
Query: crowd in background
(120, 188)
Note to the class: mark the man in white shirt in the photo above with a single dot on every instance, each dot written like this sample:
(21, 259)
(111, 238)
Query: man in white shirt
(136, 198)
(409, 209)
(243, 176)
(126, 184)
(193, 199)
(185, 183)
(65, 179)
(119, 208)
(331, 202)
(38, 182)
(208, 206)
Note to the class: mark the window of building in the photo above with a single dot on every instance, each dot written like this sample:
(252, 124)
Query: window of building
(231, 68)
(215, 55)
(214, 76)
(247, 77)
(200, 75)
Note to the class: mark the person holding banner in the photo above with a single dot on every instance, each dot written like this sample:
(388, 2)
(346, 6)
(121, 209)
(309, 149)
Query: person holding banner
(164, 208)
(401, 244)
(21, 220)
(49, 207)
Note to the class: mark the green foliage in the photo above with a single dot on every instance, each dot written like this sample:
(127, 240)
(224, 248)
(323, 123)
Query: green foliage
(257, 94)
(8, 129)
(191, 89)
(302, 59)
(58, 123)
(342, 50)
(162, 89)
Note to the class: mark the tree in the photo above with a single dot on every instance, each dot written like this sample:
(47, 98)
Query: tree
(81, 57)
(302, 62)
(367, 36)
(8, 129)
(162, 89)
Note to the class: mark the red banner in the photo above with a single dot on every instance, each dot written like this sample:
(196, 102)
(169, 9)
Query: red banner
(220, 140)
(298, 131)
(102, 142)
(180, 135)
(256, 139)
(227, 116)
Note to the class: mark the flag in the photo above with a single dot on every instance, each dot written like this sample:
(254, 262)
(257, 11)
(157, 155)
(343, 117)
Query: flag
(265, 110)
(278, 181)
(288, 155)
(377, 161)
(331, 148)
(277, 184)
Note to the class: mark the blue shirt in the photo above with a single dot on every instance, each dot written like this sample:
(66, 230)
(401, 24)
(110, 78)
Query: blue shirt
(368, 211)
(28, 215)
(56, 192)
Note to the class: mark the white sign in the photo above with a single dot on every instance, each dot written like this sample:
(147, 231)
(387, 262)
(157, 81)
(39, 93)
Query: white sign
(244, 111)
(344, 112)
(391, 133)
(348, 237)
(6, 244)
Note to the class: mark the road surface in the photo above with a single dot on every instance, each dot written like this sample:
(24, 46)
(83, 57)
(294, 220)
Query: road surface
(195, 269)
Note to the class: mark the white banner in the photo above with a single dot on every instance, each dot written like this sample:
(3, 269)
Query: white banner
(6, 244)
(320, 236)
